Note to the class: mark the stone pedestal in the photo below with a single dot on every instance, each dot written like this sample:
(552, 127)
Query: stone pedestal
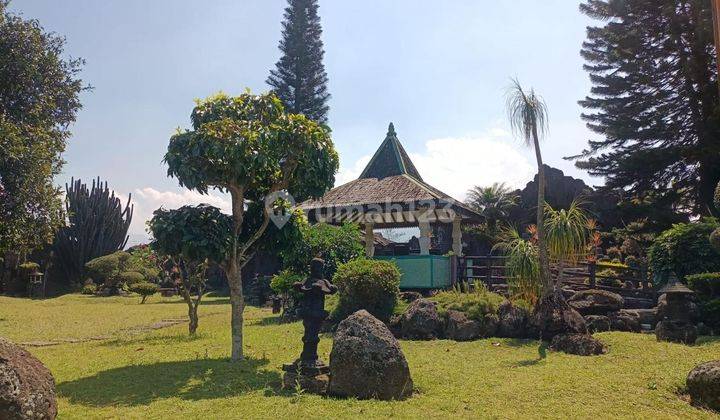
(312, 379)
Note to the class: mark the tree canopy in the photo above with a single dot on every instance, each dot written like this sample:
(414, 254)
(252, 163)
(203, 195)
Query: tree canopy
(654, 100)
(39, 98)
(249, 146)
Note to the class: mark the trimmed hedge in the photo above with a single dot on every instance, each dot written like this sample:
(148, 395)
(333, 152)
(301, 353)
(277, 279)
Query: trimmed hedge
(367, 284)
(130, 277)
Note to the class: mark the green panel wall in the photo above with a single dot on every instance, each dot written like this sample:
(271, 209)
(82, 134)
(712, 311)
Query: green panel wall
(422, 271)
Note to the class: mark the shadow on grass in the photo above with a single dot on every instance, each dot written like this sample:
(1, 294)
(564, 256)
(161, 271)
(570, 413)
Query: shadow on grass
(188, 380)
(707, 340)
(220, 301)
(542, 355)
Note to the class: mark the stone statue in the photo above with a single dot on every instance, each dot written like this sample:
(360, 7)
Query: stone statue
(309, 371)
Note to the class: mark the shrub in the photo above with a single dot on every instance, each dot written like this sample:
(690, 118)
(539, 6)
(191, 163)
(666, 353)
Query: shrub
(706, 285)
(144, 289)
(282, 282)
(684, 249)
(335, 245)
(129, 278)
(614, 253)
(710, 314)
(89, 289)
(611, 264)
(29, 268)
(476, 305)
(367, 284)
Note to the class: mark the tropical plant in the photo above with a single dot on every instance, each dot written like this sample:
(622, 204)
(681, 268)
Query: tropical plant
(191, 237)
(567, 235)
(367, 284)
(527, 113)
(105, 270)
(493, 203)
(97, 225)
(249, 146)
(521, 265)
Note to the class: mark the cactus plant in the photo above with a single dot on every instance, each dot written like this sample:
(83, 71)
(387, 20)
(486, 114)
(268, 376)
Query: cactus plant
(97, 225)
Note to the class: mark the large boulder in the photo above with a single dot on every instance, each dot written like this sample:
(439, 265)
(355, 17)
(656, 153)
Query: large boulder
(421, 321)
(596, 302)
(578, 344)
(460, 328)
(676, 332)
(597, 323)
(512, 321)
(366, 361)
(553, 316)
(627, 321)
(27, 388)
(703, 385)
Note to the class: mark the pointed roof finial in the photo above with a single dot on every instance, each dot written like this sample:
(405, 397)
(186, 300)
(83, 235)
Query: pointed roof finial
(391, 130)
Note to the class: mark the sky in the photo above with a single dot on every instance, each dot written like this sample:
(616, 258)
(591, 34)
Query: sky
(438, 70)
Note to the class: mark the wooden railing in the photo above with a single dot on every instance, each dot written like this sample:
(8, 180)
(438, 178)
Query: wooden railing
(628, 281)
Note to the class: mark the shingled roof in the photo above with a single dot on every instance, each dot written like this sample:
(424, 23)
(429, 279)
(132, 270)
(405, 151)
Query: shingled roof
(389, 178)
(390, 159)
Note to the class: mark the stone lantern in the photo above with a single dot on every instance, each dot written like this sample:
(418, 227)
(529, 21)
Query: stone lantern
(309, 372)
(676, 324)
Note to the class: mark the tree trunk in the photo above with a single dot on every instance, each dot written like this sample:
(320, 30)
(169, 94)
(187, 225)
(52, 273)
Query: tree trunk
(545, 276)
(193, 316)
(237, 305)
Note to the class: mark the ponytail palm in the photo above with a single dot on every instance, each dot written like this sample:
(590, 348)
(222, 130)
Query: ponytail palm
(527, 114)
(521, 266)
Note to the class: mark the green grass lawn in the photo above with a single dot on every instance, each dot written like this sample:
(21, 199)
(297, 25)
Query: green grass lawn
(162, 373)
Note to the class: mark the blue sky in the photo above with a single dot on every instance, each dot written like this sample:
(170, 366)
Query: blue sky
(438, 70)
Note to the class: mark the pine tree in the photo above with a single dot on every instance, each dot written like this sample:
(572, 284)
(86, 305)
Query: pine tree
(299, 79)
(654, 100)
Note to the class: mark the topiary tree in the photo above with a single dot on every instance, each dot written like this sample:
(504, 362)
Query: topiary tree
(250, 147)
(144, 289)
(191, 237)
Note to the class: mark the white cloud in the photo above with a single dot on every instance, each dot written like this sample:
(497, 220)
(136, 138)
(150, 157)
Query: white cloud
(456, 164)
(346, 175)
(147, 200)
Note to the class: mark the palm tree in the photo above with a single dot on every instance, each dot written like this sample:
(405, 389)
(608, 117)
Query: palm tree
(521, 265)
(527, 113)
(528, 119)
(493, 202)
(568, 234)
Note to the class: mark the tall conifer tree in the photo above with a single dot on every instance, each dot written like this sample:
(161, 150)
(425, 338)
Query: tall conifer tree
(654, 100)
(299, 78)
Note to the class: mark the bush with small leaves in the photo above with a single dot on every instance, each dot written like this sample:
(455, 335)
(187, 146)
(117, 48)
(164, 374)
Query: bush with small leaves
(476, 304)
(706, 285)
(614, 253)
(367, 284)
(144, 289)
(685, 249)
(128, 278)
(89, 289)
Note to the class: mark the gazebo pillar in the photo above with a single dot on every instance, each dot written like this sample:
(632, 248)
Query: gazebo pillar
(369, 240)
(424, 238)
(457, 236)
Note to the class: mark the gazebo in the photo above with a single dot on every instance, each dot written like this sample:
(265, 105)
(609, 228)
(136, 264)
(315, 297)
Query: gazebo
(390, 193)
